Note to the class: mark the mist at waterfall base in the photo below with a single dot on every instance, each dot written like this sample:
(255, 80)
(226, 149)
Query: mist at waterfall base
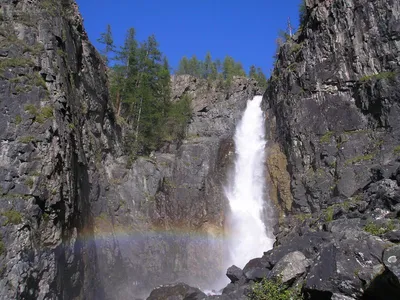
(248, 219)
(248, 223)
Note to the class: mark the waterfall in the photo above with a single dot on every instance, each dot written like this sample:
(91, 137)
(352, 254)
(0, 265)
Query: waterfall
(246, 189)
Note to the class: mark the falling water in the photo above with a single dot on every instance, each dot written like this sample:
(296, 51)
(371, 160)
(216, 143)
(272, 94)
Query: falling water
(246, 191)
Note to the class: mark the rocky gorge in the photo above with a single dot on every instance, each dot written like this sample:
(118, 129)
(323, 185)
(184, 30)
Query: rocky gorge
(80, 222)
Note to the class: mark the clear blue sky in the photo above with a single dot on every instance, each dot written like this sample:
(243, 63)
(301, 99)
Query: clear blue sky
(243, 29)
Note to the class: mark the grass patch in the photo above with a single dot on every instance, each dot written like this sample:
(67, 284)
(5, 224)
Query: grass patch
(17, 196)
(15, 62)
(29, 182)
(378, 229)
(45, 113)
(168, 183)
(27, 139)
(326, 138)
(61, 53)
(31, 109)
(13, 217)
(328, 214)
(50, 6)
(38, 80)
(25, 18)
(360, 158)
(273, 290)
(46, 217)
(2, 247)
(296, 48)
(303, 217)
(22, 89)
(396, 150)
(18, 119)
(379, 76)
(35, 50)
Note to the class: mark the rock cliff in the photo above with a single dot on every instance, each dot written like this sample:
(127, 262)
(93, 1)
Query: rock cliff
(165, 214)
(56, 128)
(332, 106)
(77, 221)
(332, 110)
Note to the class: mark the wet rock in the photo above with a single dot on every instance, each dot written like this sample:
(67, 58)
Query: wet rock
(256, 274)
(179, 291)
(234, 274)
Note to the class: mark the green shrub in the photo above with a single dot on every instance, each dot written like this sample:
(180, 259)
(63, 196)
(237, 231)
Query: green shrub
(302, 12)
(13, 217)
(273, 290)
(178, 116)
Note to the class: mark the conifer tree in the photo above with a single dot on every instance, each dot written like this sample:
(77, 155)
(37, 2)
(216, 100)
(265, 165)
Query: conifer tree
(195, 67)
(262, 80)
(106, 38)
(183, 68)
(208, 66)
(253, 72)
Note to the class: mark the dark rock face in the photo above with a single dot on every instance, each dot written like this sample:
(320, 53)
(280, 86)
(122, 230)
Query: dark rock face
(333, 100)
(332, 107)
(56, 126)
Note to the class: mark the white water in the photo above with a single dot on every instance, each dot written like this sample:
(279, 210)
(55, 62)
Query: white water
(246, 191)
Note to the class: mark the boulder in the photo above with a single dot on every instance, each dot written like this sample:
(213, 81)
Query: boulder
(234, 273)
(180, 291)
(391, 260)
(257, 274)
(291, 266)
